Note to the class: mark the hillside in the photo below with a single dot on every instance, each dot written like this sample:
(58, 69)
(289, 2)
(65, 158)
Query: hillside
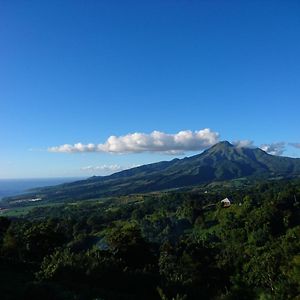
(222, 161)
(157, 246)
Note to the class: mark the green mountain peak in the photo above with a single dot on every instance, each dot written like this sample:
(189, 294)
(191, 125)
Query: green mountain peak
(223, 161)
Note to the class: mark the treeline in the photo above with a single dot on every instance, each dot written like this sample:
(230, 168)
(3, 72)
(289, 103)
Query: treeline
(164, 246)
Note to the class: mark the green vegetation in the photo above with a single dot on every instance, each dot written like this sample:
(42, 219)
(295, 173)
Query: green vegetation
(167, 245)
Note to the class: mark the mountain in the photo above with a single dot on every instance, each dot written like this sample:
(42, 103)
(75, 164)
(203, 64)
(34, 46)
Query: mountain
(222, 161)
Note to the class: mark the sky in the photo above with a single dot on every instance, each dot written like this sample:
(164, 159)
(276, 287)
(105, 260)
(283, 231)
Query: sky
(93, 87)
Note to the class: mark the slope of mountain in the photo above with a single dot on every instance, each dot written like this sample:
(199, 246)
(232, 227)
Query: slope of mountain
(222, 161)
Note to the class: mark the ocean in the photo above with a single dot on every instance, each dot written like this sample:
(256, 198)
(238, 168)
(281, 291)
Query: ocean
(11, 187)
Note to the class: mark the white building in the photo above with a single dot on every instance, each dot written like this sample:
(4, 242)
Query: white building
(226, 202)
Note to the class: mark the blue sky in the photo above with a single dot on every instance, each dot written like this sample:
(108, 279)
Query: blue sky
(82, 71)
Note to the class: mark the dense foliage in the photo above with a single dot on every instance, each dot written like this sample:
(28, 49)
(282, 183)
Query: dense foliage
(176, 245)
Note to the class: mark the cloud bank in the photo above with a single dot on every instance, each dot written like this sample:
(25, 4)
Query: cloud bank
(160, 142)
(156, 141)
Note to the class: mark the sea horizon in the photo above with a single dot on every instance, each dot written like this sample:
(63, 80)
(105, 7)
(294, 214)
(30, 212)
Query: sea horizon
(15, 186)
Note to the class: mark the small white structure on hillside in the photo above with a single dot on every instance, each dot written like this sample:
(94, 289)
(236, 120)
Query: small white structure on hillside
(226, 202)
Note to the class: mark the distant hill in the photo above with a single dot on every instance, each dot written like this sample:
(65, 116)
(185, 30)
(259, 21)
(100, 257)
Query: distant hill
(222, 161)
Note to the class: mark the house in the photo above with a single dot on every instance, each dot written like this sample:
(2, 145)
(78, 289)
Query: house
(226, 202)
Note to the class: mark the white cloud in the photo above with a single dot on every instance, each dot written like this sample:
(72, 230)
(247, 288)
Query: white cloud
(274, 148)
(67, 148)
(243, 144)
(296, 145)
(156, 141)
(106, 169)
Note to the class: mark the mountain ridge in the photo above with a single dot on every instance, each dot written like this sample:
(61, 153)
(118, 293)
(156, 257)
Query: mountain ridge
(222, 161)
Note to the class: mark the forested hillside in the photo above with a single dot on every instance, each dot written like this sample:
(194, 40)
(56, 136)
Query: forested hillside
(223, 161)
(172, 245)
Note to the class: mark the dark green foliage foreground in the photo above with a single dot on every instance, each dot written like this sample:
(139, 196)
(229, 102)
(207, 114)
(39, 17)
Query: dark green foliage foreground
(158, 246)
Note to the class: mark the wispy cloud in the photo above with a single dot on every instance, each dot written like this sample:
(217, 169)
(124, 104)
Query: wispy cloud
(274, 148)
(106, 169)
(296, 145)
(156, 141)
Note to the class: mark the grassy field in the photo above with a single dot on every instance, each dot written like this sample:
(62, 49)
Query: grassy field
(24, 210)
